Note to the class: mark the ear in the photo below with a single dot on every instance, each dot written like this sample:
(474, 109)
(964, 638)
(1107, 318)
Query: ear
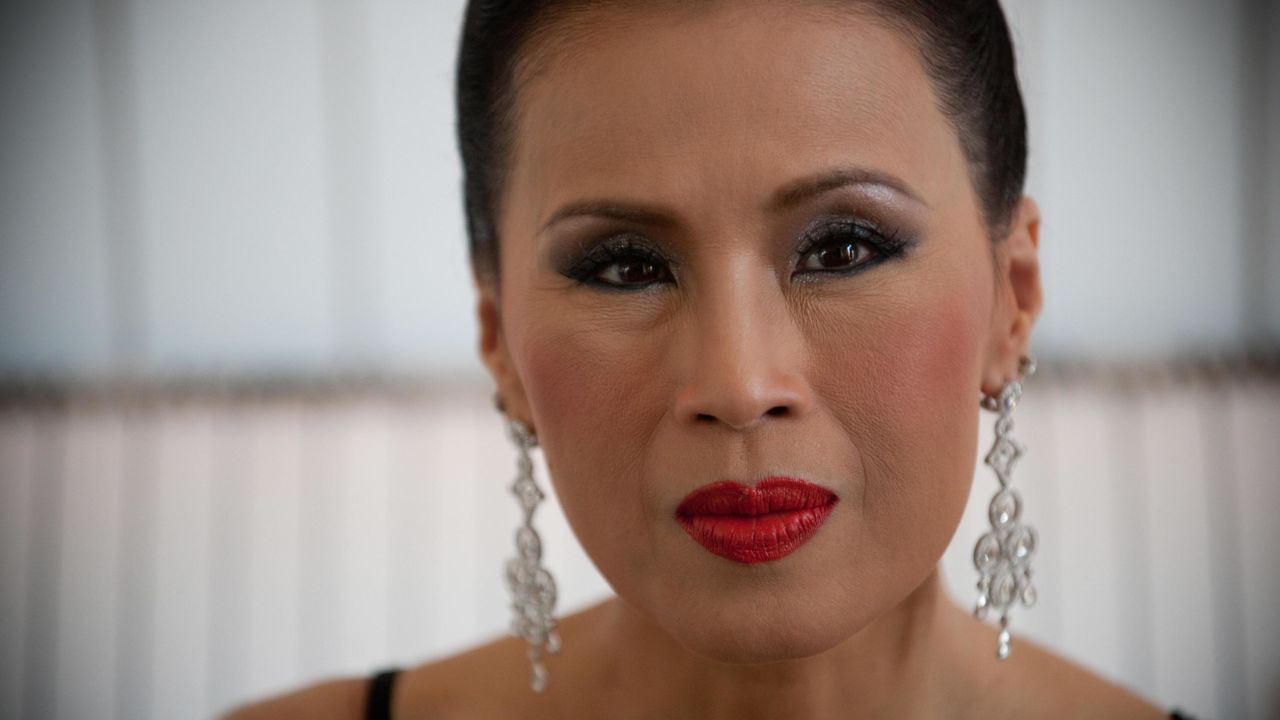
(496, 355)
(1019, 297)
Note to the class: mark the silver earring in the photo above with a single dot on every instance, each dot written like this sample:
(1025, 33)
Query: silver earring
(533, 590)
(1003, 554)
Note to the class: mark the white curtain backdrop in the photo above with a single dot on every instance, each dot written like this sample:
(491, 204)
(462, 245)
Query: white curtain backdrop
(168, 553)
(247, 189)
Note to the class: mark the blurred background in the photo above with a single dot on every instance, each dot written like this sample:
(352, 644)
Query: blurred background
(245, 439)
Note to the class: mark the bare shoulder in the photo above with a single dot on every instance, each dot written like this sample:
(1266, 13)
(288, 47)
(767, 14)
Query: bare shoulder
(1036, 682)
(334, 699)
(470, 684)
(1058, 687)
(492, 680)
(488, 681)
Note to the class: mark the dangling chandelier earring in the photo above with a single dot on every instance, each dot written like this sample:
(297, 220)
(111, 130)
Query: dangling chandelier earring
(1003, 554)
(533, 590)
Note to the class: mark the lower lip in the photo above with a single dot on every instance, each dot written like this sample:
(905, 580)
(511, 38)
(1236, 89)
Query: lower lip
(755, 524)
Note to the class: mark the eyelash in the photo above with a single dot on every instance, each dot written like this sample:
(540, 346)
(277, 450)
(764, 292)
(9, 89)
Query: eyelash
(884, 245)
(611, 250)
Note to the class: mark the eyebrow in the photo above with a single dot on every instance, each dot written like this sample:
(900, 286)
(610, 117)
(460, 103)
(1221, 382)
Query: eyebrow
(798, 191)
(612, 209)
(787, 196)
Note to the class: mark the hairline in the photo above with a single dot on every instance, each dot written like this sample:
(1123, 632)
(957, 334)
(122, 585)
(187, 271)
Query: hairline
(555, 30)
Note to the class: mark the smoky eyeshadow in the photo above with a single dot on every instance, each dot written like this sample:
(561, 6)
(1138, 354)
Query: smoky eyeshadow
(891, 230)
(584, 265)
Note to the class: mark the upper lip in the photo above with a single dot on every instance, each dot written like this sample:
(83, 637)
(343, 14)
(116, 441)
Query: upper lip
(770, 495)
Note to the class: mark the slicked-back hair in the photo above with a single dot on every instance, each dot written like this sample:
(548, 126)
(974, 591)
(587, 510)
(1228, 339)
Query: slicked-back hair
(965, 46)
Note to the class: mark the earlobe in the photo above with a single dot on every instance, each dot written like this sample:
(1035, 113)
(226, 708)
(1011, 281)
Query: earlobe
(1021, 295)
(509, 395)
(490, 325)
(1024, 264)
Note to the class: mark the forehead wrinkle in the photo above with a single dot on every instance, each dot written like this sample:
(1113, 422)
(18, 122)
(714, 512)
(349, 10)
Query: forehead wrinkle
(809, 108)
(571, 37)
(558, 35)
(561, 34)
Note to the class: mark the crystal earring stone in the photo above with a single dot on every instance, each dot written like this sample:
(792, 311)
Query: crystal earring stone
(1003, 554)
(533, 589)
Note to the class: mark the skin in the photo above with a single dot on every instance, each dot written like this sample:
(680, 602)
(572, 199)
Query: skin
(742, 362)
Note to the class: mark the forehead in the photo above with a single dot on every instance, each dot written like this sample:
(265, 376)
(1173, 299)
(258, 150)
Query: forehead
(730, 99)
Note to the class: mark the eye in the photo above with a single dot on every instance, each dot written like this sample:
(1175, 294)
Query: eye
(837, 255)
(631, 271)
(621, 263)
(843, 246)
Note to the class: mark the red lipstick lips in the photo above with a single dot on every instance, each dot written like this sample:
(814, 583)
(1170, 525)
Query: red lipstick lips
(754, 524)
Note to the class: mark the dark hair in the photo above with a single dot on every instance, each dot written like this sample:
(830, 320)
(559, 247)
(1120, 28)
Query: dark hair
(965, 44)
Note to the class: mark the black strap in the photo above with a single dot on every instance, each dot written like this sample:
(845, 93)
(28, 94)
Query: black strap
(379, 705)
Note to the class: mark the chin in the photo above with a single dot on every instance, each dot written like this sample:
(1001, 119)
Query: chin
(749, 633)
(737, 650)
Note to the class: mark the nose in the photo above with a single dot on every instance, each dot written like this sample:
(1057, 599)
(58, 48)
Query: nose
(745, 359)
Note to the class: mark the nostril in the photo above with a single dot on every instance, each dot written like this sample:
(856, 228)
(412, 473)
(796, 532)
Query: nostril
(776, 411)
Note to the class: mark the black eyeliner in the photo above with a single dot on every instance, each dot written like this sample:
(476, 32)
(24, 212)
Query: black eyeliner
(887, 243)
(598, 254)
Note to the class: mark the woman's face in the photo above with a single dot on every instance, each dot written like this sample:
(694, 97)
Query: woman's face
(740, 241)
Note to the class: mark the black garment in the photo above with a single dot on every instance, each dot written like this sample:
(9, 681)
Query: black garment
(379, 705)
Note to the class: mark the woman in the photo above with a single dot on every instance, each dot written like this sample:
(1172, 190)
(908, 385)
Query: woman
(745, 271)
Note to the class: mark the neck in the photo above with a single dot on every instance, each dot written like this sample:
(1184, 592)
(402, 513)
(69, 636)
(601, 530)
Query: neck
(892, 667)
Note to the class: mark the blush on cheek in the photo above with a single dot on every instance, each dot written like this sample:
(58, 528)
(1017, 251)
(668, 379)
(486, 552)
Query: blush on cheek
(590, 395)
(907, 385)
(941, 356)
(904, 368)
(563, 384)
(582, 384)
(937, 409)
(935, 405)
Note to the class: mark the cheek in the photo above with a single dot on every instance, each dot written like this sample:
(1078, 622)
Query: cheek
(595, 397)
(936, 357)
(905, 390)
